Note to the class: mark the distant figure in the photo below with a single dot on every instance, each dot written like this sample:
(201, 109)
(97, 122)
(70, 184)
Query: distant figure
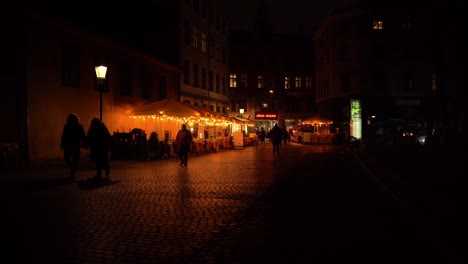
(285, 136)
(276, 135)
(73, 139)
(100, 141)
(183, 140)
(261, 137)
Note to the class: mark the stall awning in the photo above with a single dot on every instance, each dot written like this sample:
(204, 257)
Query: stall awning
(317, 120)
(244, 121)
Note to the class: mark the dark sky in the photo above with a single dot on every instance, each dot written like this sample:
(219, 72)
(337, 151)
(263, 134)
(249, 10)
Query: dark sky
(286, 15)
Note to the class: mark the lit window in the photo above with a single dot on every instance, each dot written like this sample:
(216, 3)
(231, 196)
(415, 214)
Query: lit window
(287, 82)
(232, 80)
(203, 42)
(298, 82)
(195, 37)
(261, 81)
(378, 25)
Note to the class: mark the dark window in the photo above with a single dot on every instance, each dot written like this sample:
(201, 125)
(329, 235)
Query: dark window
(210, 81)
(146, 85)
(126, 79)
(187, 32)
(203, 8)
(345, 83)
(70, 66)
(344, 53)
(217, 83)
(223, 87)
(203, 78)
(186, 72)
(195, 75)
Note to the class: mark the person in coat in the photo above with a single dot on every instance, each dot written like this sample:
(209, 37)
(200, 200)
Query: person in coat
(100, 141)
(72, 140)
(183, 141)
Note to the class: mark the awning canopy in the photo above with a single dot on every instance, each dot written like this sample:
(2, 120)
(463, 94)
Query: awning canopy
(172, 109)
(316, 119)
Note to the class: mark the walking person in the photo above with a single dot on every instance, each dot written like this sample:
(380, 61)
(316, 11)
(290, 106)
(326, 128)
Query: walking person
(183, 140)
(276, 136)
(73, 139)
(261, 137)
(100, 141)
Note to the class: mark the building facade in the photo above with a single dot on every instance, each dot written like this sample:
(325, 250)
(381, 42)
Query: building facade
(400, 60)
(271, 74)
(54, 75)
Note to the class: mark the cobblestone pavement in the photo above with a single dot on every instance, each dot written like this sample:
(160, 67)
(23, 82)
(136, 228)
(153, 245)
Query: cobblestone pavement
(214, 210)
(150, 211)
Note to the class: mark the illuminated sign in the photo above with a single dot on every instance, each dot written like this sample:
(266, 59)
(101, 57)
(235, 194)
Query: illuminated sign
(272, 116)
(356, 118)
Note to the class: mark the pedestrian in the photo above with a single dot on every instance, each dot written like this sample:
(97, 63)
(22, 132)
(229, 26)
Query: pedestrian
(276, 135)
(183, 140)
(261, 137)
(285, 136)
(100, 142)
(73, 139)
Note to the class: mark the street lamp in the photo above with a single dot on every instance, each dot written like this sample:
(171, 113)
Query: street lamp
(101, 71)
(241, 111)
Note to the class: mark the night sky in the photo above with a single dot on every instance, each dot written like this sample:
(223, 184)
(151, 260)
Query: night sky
(286, 15)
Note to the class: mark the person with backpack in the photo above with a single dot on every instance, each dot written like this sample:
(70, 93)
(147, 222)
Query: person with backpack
(100, 142)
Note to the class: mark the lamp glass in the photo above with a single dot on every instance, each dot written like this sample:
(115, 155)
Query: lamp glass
(241, 110)
(101, 71)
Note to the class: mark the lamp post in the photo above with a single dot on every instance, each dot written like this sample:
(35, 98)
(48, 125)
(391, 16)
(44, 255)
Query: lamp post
(101, 71)
(241, 111)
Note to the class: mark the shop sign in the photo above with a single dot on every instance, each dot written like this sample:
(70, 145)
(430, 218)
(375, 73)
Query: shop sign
(270, 116)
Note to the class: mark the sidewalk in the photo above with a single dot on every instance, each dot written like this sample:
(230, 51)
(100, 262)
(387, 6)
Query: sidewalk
(430, 181)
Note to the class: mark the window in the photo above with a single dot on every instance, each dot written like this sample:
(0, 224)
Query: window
(186, 72)
(146, 85)
(345, 83)
(195, 75)
(298, 82)
(344, 53)
(378, 25)
(407, 25)
(260, 81)
(308, 82)
(210, 81)
(203, 78)
(126, 79)
(204, 6)
(287, 82)
(223, 85)
(71, 66)
(408, 81)
(217, 83)
(186, 32)
(232, 80)
(434, 82)
(196, 5)
(203, 42)
(195, 37)
(243, 80)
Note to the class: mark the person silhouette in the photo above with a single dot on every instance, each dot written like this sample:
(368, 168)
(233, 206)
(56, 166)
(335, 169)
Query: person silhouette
(72, 140)
(100, 141)
(183, 140)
